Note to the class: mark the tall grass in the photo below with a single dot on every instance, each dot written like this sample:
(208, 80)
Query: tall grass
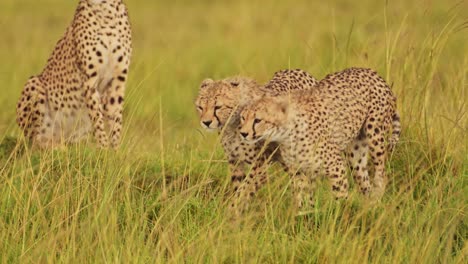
(161, 198)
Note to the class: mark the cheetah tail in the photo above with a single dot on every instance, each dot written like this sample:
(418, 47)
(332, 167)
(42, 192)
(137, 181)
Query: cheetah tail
(396, 131)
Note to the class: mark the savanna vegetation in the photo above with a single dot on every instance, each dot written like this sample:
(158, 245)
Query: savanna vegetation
(162, 196)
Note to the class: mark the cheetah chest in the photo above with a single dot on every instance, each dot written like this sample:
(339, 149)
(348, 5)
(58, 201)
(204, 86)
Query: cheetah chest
(301, 148)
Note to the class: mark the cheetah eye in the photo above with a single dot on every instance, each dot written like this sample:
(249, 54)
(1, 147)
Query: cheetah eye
(199, 108)
(234, 84)
(217, 107)
(256, 121)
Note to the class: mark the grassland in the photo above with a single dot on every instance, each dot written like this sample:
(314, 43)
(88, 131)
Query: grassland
(161, 198)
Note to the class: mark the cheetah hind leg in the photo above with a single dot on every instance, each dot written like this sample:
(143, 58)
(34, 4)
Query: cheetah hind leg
(357, 160)
(335, 172)
(396, 131)
(25, 108)
(30, 112)
(303, 192)
(377, 152)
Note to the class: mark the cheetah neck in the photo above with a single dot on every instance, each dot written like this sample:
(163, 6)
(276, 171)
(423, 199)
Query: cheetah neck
(282, 132)
(249, 92)
(104, 8)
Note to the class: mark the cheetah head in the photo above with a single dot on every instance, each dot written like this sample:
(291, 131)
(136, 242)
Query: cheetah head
(218, 101)
(264, 119)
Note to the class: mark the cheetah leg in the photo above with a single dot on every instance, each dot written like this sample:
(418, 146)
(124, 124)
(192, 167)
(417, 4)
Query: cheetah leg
(249, 187)
(94, 106)
(25, 108)
(45, 128)
(335, 171)
(237, 175)
(31, 110)
(303, 190)
(357, 158)
(396, 131)
(113, 107)
(377, 153)
(312, 187)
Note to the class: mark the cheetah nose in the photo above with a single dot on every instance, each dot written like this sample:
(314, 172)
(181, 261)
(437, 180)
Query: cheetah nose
(207, 123)
(244, 135)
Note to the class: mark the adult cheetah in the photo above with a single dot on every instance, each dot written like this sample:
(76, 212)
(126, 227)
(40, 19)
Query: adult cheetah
(313, 128)
(218, 105)
(83, 82)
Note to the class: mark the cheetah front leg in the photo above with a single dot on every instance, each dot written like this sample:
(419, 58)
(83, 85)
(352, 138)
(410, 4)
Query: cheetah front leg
(93, 103)
(113, 105)
(237, 174)
(249, 187)
(114, 94)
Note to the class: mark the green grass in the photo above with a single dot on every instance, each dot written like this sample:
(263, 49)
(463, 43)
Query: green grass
(161, 198)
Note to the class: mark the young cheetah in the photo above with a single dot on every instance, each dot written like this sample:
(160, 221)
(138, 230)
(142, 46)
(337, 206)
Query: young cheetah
(218, 105)
(84, 80)
(313, 128)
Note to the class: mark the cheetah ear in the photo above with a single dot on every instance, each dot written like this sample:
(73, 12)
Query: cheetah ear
(233, 82)
(206, 82)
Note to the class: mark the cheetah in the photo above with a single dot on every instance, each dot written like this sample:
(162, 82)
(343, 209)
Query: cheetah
(81, 88)
(353, 108)
(218, 105)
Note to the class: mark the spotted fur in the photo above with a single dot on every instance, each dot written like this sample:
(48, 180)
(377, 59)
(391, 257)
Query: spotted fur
(83, 83)
(218, 104)
(353, 108)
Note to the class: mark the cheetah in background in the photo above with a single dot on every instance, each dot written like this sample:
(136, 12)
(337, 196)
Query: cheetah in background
(218, 104)
(84, 80)
(287, 80)
(353, 108)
